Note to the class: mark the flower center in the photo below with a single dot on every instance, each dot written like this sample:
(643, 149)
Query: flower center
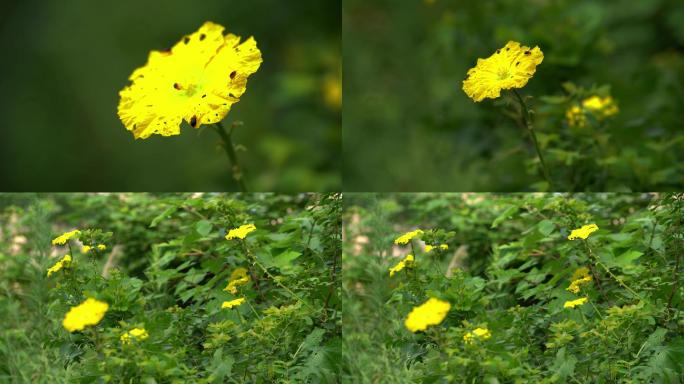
(503, 73)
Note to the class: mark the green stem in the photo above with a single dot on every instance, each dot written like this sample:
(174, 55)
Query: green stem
(530, 128)
(596, 260)
(229, 147)
(256, 262)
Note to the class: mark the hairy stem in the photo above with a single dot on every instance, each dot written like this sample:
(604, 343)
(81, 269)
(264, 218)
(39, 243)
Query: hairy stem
(229, 147)
(527, 121)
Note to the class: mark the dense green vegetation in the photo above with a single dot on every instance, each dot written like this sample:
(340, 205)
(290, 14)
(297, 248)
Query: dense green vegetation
(409, 126)
(164, 266)
(509, 271)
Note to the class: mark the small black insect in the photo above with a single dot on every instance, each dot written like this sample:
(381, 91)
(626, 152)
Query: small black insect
(193, 121)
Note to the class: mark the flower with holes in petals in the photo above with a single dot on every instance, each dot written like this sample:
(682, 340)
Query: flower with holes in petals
(197, 81)
(509, 67)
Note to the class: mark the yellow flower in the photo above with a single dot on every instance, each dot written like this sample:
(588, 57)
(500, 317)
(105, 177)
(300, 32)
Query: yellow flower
(432, 312)
(429, 248)
(240, 232)
(63, 263)
(481, 333)
(86, 248)
(136, 333)
(509, 67)
(576, 117)
(101, 247)
(233, 303)
(233, 284)
(574, 303)
(406, 262)
(575, 284)
(406, 237)
(238, 273)
(90, 312)
(599, 107)
(332, 91)
(63, 238)
(584, 232)
(197, 80)
(580, 273)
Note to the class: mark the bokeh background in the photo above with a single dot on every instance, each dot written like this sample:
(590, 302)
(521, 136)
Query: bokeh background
(408, 125)
(64, 63)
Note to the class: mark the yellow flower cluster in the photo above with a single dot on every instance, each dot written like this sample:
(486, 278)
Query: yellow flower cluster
(135, 333)
(240, 232)
(197, 80)
(575, 284)
(88, 248)
(63, 238)
(574, 303)
(599, 107)
(432, 312)
(237, 278)
(233, 303)
(509, 67)
(406, 262)
(477, 333)
(90, 312)
(408, 236)
(63, 263)
(584, 232)
(429, 248)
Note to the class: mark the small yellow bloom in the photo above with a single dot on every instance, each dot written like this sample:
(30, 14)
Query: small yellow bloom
(406, 262)
(240, 232)
(430, 248)
(580, 273)
(574, 303)
(233, 303)
(575, 284)
(197, 80)
(86, 248)
(432, 312)
(63, 238)
(584, 232)
(101, 247)
(238, 273)
(63, 263)
(233, 284)
(135, 333)
(90, 312)
(332, 91)
(509, 67)
(601, 106)
(406, 237)
(480, 333)
(576, 117)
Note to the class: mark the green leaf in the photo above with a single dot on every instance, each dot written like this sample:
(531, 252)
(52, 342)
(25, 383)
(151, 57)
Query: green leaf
(164, 215)
(564, 365)
(284, 260)
(546, 227)
(626, 259)
(505, 215)
(203, 227)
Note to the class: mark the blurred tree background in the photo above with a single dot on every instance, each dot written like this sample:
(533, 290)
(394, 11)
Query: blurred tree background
(408, 125)
(65, 62)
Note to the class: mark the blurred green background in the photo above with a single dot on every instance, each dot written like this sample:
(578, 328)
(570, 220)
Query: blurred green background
(64, 63)
(408, 125)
